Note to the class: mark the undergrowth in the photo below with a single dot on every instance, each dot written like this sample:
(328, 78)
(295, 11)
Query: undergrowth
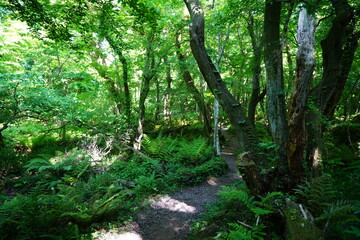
(238, 215)
(66, 195)
(335, 214)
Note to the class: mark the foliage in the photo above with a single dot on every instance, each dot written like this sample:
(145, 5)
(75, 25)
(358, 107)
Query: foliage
(68, 193)
(333, 214)
(318, 194)
(62, 85)
(171, 150)
(237, 215)
(240, 232)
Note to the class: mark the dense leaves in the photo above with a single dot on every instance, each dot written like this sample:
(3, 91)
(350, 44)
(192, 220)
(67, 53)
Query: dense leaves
(102, 105)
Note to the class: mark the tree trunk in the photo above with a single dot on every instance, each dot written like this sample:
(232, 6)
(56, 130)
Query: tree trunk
(148, 75)
(257, 47)
(113, 37)
(221, 49)
(167, 105)
(338, 49)
(158, 100)
(199, 98)
(125, 77)
(275, 100)
(248, 141)
(2, 142)
(216, 128)
(305, 63)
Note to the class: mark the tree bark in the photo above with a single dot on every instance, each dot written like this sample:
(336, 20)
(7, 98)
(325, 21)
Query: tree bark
(148, 75)
(221, 50)
(243, 130)
(338, 49)
(275, 100)
(257, 46)
(305, 63)
(216, 128)
(167, 106)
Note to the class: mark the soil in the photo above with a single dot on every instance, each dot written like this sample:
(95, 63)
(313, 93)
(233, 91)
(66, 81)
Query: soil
(169, 217)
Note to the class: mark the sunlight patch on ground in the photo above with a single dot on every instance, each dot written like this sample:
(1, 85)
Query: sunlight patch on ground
(212, 182)
(171, 204)
(117, 236)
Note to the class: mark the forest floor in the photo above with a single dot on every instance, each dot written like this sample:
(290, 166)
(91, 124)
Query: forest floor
(169, 217)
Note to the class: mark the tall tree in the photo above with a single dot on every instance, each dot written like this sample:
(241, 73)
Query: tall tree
(338, 50)
(197, 95)
(244, 131)
(149, 73)
(275, 98)
(305, 63)
(257, 48)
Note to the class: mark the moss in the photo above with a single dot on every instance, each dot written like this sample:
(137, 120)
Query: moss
(297, 227)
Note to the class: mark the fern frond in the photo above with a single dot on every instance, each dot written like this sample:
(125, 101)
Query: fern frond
(343, 211)
(230, 193)
(269, 196)
(238, 231)
(37, 163)
(317, 194)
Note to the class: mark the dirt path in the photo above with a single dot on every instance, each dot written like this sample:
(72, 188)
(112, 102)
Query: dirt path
(170, 217)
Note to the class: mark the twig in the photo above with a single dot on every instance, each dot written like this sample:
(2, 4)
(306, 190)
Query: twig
(257, 220)
(244, 224)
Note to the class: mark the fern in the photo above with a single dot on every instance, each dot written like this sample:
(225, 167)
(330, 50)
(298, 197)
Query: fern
(342, 212)
(240, 232)
(317, 194)
(331, 214)
(194, 149)
(161, 147)
(173, 150)
(230, 193)
(38, 164)
(257, 207)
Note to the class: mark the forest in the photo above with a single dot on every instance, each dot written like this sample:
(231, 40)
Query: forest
(106, 105)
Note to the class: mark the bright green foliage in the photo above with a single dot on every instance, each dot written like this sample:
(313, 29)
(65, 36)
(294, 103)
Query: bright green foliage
(70, 191)
(240, 232)
(172, 150)
(258, 208)
(24, 96)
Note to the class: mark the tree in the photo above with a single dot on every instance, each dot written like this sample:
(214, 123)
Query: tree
(275, 98)
(199, 98)
(305, 63)
(248, 140)
(338, 50)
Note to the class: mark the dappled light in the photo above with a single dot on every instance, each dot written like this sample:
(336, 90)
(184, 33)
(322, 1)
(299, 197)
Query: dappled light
(113, 235)
(175, 120)
(171, 204)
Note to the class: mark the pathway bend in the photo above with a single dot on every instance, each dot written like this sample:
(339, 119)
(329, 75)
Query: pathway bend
(169, 217)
